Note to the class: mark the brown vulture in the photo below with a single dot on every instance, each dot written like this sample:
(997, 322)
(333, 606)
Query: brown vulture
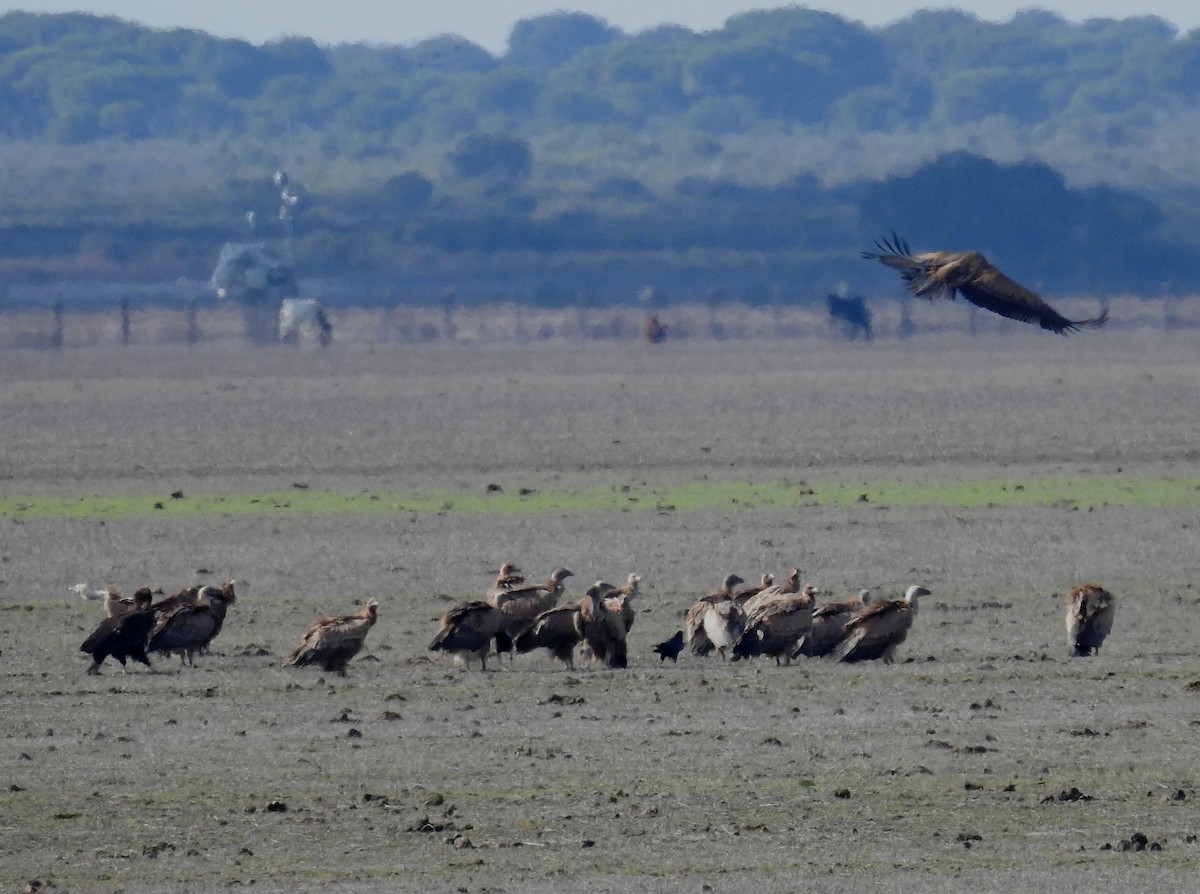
(1090, 611)
(878, 630)
(693, 622)
(829, 625)
(468, 630)
(777, 626)
(188, 627)
(557, 630)
(332, 641)
(941, 274)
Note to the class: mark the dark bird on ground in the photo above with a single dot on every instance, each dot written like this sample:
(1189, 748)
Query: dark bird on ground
(1090, 611)
(829, 625)
(670, 648)
(187, 628)
(468, 630)
(942, 274)
(122, 636)
(556, 630)
(332, 641)
(603, 630)
(879, 629)
(693, 621)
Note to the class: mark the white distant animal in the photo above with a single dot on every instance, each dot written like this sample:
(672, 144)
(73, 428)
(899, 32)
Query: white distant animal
(297, 315)
(87, 591)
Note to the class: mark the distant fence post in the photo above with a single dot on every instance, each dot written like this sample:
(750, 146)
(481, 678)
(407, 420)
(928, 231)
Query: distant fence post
(125, 321)
(56, 337)
(193, 323)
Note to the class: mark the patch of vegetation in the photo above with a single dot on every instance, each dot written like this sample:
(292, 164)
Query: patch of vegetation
(1059, 493)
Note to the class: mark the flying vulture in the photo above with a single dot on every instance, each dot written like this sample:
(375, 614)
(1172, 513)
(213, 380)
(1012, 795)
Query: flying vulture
(942, 274)
(1090, 610)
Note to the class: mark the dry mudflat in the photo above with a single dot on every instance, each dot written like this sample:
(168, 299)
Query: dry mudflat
(985, 759)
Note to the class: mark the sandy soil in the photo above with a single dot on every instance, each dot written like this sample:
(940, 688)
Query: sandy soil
(985, 760)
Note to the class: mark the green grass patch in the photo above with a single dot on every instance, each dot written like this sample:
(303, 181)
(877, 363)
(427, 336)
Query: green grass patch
(1079, 492)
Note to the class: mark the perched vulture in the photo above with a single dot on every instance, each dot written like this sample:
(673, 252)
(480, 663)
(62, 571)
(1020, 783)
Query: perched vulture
(510, 576)
(601, 629)
(519, 605)
(332, 642)
(790, 585)
(879, 629)
(115, 604)
(468, 630)
(693, 622)
(723, 625)
(556, 630)
(829, 625)
(1090, 611)
(619, 599)
(670, 648)
(121, 636)
(188, 627)
(941, 274)
(741, 597)
(776, 627)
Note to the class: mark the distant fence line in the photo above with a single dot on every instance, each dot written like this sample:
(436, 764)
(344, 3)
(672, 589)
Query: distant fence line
(205, 321)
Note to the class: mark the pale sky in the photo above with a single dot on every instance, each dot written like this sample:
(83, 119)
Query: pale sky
(488, 22)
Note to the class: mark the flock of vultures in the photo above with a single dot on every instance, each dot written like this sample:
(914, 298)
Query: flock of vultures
(782, 621)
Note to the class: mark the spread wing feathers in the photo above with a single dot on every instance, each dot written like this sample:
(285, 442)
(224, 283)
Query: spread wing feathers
(775, 628)
(876, 632)
(332, 642)
(1090, 612)
(940, 274)
(557, 630)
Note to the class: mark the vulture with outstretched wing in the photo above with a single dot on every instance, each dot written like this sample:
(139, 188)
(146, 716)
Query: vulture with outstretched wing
(941, 274)
(332, 642)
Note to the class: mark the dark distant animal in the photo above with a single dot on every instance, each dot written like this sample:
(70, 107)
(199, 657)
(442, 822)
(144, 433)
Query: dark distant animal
(468, 630)
(653, 330)
(879, 629)
(670, 648)
(1090, 612)
(122, 636)
(943, 274)
(620, 599)
(332, 641)
(187, 628)
(850, 315)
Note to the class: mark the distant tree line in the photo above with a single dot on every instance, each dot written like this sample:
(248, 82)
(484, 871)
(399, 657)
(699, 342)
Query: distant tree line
(585, 164)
